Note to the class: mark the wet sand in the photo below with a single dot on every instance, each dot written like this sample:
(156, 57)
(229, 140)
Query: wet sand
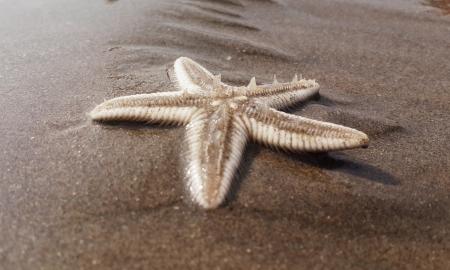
(80, 195)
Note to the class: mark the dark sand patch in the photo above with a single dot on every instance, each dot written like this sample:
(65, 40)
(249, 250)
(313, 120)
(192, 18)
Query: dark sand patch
(444, 5)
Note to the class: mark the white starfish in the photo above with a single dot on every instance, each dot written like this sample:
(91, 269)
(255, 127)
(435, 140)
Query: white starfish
(221, 118)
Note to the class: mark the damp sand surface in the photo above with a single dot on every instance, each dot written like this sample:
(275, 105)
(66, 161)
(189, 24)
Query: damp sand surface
(80, 195)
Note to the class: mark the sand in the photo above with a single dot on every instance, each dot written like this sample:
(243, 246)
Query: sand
(80, 195)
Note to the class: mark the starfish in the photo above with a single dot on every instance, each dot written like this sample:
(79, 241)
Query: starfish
(221, 118)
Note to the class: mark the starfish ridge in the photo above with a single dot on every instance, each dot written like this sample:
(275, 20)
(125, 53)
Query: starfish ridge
(220, 119)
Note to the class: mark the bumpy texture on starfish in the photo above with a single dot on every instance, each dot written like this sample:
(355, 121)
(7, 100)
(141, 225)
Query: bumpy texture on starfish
(221, 118)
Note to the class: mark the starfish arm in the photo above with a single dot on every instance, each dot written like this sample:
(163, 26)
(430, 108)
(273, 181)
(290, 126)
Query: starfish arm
(164, 107)
(295, 133)
(192, 77)
(216, 142)
(282, 95)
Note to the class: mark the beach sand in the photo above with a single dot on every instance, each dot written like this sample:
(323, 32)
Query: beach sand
(81, 195)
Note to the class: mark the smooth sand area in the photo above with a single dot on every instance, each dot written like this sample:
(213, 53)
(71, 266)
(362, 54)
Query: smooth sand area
(80, 195)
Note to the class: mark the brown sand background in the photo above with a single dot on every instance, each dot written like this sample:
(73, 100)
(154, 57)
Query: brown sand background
(78, 195)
